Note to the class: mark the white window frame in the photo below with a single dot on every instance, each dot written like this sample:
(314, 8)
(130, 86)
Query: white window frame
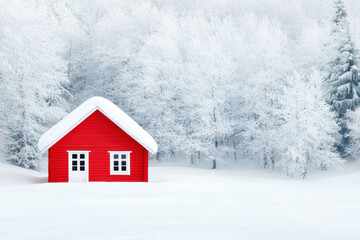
(120, 172)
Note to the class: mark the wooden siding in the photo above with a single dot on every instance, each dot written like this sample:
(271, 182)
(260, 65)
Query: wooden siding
(99, 135)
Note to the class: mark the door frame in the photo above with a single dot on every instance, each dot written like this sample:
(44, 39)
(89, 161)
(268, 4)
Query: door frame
(86, 162)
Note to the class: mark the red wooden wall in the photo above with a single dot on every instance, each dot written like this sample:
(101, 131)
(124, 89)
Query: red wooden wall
(99, 135)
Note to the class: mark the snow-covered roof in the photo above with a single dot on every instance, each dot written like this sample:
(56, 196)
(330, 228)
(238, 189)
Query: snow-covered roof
(110, 110)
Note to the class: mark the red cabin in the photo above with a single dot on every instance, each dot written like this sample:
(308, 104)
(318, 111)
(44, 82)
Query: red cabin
(97, 142)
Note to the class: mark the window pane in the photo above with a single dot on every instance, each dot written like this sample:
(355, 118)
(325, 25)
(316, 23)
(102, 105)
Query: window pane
(123, 156)
(74, 163)
(82, 156)
(123, 163)
(116, 163)
(116, 168)
(74, 156)
(74, 168)
(123, 168)
(82, 168)
(116, 156)
(82, 163)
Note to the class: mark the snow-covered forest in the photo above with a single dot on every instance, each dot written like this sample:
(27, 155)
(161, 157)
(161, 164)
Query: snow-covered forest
(271, 84)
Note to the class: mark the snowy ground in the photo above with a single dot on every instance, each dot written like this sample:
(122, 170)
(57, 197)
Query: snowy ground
(181, 203)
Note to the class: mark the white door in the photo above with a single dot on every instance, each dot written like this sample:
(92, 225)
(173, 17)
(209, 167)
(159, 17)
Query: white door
(78, 166)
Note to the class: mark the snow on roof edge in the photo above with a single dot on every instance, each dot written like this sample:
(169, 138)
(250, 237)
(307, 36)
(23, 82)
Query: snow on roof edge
(110, 110)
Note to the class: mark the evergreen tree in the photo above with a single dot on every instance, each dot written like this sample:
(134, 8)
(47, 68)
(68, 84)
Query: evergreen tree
(353, 149)
(344, 77)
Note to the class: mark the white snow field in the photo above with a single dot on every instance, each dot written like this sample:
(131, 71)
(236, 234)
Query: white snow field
(181, 203)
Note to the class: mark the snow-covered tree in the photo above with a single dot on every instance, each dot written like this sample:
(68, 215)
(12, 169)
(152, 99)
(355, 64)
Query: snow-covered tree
(261, 90)
(204, 80)
(308, 131)
(213, 69)
(353, 149)
(159, 88)
(344, 78)
(32, 75)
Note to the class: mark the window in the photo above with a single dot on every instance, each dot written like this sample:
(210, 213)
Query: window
(123, 165)
(78, 160)
(120, 162)
(74, 165)
(82, 165)
(116, 165)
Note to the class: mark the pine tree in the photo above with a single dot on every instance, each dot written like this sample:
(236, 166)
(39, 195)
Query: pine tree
(344, 77)
(353, 149)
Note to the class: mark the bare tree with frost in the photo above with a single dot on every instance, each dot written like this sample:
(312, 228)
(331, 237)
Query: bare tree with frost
(33, 74)
(307, 135)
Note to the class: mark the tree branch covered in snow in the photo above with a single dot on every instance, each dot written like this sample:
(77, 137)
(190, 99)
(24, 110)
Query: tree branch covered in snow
(216, 83)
